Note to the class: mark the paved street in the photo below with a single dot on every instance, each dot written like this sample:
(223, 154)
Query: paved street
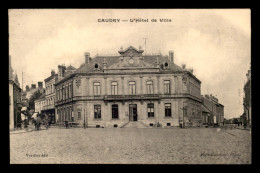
(132, 146)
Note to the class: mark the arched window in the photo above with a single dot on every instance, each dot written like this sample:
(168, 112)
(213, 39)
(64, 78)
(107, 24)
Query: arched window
(97, 88)
(149, 86)
(132, 88)
(114, 88)
(167, 87)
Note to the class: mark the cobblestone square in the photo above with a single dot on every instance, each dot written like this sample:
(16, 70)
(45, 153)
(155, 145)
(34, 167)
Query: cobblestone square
(131, 146)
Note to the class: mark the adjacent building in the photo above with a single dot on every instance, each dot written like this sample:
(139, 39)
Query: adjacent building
(27, 94)
(39, 103)
(14, 99)
(49, 103)
(113, 90)
(212, 110)
(247, 99)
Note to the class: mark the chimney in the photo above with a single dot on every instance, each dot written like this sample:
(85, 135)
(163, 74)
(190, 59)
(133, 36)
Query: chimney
(27, 88)
(61, 70)
(33, 86)
(52, 72)
(39, 84)
(171, 57)
(184, 66)
(87, 57)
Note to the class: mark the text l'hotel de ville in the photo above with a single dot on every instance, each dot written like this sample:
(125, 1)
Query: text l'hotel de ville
(138, 20)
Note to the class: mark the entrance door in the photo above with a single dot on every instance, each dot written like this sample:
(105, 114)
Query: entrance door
(132, 112)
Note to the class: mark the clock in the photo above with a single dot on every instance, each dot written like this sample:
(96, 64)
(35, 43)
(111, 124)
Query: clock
(131, 61)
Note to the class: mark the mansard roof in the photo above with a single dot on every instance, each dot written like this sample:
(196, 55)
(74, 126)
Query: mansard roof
(111, 61)
(121, 62)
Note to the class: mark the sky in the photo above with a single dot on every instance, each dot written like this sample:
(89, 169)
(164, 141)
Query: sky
(216, 43)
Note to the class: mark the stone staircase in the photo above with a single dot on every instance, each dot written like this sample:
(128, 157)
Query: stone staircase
(135, 124)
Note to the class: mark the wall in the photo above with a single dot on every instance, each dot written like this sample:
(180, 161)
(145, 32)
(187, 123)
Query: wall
(83, 87)
(106, 112)
(11, 107)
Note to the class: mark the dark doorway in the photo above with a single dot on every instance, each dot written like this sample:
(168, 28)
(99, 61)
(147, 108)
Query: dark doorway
(133, 112)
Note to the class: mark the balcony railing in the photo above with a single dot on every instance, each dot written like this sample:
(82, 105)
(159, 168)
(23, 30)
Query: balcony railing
(126, 97)
(129, 97)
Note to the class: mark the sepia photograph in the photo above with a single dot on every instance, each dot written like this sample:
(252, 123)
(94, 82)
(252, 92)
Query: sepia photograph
(130, 86)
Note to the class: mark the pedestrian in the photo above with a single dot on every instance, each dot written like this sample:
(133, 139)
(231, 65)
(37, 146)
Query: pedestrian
(72, 117)
(244, 124)
(38, 122)
(67, 123)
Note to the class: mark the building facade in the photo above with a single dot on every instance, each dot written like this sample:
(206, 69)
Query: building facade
(39, 103)
(14, 99)
(49, 106)
(113, 90)
(247, 99)
(213, 111)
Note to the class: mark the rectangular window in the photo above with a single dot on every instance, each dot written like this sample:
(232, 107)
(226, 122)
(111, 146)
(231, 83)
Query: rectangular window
(79, 115)
(185, 112)
(114, 111)
(184, 86)
(97, 111)
(114, 88)
(60, 96)
(69, 91)
(150, 109)
(167, 87)
(57, 94)
(176, 84)
(132, 89)
(168, 112)
(96, 88)
(65, 90)
(63, 93)
(149, 85)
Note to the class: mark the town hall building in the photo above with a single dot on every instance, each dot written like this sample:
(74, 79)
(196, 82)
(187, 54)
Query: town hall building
(110, 91)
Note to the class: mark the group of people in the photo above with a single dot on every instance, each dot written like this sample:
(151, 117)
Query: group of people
(41, 119)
